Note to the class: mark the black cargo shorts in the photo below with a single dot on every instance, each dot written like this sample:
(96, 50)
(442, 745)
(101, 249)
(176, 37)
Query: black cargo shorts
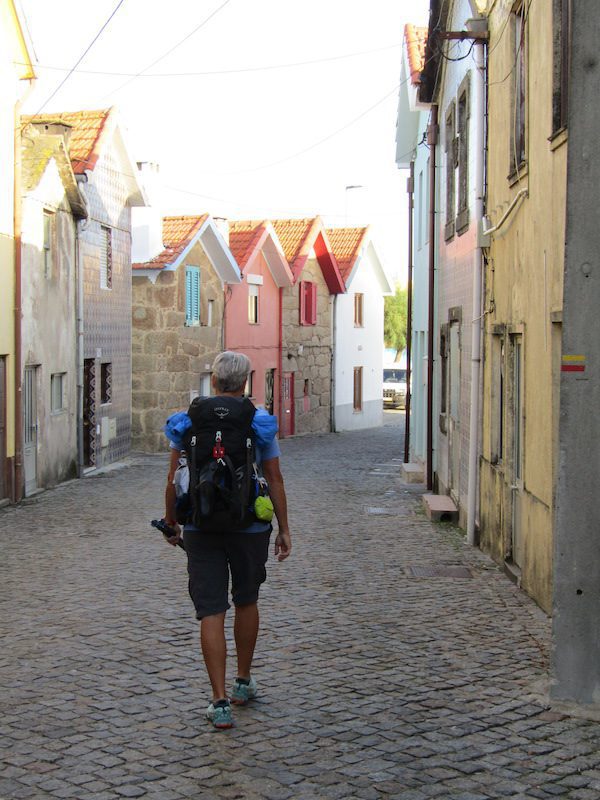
(213, 557)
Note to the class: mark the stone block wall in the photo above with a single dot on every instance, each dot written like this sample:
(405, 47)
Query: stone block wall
(307, 352)
(171, 361)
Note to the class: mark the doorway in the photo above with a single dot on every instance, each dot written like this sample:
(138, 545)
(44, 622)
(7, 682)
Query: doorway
(516, 470)
(269, 390)
(287, 405)
(30, 429)
(89, 412)
(454, 410)
(3, 475)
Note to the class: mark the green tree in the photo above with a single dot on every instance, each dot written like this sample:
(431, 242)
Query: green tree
(394, 320)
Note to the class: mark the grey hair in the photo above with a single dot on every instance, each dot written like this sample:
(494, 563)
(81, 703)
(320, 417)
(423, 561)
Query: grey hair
(230, 371)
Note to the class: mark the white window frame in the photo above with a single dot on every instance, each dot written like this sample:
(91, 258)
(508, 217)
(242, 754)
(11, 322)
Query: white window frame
(57, 392)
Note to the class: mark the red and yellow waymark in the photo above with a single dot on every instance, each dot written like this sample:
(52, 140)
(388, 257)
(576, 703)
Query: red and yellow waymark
(573, 364)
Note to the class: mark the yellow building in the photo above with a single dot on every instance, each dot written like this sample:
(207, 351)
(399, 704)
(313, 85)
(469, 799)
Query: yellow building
(528, 93)
(16, 73)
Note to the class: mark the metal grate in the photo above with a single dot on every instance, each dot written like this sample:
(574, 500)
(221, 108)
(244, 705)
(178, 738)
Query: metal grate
(439, 572)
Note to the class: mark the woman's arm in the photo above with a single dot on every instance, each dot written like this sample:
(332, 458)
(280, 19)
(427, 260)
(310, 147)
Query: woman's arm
(283, 541)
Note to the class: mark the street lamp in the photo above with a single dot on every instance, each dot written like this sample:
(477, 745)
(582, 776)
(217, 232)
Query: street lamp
(346, 190)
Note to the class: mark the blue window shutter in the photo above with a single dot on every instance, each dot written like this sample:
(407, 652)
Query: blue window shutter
(188, 296)
(196, 296)
(192, 296)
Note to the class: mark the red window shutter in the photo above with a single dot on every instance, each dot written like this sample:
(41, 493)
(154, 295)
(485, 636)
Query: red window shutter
(301, 293)
(313, 303)
(308, 303)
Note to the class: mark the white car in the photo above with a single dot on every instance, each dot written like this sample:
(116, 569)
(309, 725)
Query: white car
(394, 387)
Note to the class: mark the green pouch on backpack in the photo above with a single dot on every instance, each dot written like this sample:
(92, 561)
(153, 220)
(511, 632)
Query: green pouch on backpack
(263, 508)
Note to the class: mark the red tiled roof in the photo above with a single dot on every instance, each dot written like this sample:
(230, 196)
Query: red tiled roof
(345, 244)
(244, 236)
(87, 128)
(292, 234)
(416, 39)
(297, 238)
(177, 233)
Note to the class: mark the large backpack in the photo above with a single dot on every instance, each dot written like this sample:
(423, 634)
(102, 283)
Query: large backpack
(220, 448)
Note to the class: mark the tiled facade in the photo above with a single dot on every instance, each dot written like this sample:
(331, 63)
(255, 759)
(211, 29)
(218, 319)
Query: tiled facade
(107, 312)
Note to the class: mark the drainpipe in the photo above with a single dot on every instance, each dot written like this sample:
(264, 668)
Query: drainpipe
(333, 308)
(432, 138)
(280, 359)
(80, 226)
(410, 188)
(478, 106)
(18, 474)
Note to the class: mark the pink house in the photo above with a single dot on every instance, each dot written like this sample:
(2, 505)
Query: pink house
(253, 315)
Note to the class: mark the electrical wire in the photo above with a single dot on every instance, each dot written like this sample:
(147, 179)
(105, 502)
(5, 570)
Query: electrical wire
(524, 18)
(207, 73)
(80, 59)
(171, 50)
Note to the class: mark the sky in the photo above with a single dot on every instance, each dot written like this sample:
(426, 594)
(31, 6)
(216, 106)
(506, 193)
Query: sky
(253, 110)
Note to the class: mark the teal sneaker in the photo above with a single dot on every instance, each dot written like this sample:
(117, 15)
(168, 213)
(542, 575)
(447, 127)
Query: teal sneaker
(219, 713)
(243, 690)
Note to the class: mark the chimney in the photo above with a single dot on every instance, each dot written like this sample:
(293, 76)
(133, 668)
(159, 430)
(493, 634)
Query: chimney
(222, 224)
(146, 221)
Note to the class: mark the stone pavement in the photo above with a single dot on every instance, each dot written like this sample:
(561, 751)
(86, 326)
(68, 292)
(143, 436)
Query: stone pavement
(382, 672)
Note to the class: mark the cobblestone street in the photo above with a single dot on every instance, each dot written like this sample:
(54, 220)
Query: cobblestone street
(378, 677)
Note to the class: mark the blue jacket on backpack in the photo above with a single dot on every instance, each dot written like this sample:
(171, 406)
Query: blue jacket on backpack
(264, 425)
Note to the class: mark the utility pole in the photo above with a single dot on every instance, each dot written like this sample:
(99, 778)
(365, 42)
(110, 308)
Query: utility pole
(576, 613)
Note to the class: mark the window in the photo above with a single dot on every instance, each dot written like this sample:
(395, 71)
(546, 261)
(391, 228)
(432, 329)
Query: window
(192, 296)
(105, 257)
(205, 384)
(358, 388)
(520, 88)
(209, 313)
(451, 158)
(47, 245)
(358, 310)
(561, 23)
(462, 219)
(308, 303)
(57, 383)
(105, 383)
(248, 389)
(253, 304)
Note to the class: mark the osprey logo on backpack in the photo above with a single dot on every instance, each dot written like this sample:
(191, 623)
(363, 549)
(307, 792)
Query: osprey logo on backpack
(220, 448)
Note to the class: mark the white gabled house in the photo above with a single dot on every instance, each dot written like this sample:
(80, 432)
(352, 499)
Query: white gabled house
(358, 330)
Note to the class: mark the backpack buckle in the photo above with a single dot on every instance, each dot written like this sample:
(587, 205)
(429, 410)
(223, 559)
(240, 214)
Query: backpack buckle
(218, 449)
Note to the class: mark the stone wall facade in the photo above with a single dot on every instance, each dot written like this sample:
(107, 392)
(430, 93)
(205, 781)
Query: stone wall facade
(171, 360)
(307, 352)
